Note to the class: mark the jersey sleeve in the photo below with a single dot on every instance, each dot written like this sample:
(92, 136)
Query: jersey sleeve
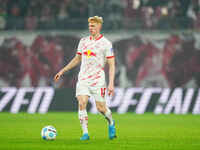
(109, 51)
(80, 47)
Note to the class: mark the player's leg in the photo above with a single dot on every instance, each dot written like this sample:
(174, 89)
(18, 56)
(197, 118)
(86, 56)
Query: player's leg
(82, 94)
(99, 95)
(104, 110)
(83, 116)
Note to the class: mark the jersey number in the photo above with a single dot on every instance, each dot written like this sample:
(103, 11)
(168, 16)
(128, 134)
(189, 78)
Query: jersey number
(103, 92)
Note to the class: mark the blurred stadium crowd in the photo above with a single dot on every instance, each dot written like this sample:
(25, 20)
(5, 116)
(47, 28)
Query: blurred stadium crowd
(35, 64)
(140, 62)
(166, 60)
(73, 14)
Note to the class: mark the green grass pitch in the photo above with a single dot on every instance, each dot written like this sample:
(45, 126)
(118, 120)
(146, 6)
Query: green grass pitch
(135, 132)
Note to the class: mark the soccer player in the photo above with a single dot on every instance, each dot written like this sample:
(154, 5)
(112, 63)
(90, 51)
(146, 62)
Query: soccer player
(93, 52)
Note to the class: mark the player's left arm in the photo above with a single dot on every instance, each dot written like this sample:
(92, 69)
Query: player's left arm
(111, 64)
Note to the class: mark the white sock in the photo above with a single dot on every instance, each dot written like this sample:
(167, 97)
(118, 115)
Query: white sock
(83, 117)
(108, 116)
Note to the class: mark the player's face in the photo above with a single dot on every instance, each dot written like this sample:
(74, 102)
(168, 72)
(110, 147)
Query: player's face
(94, 28)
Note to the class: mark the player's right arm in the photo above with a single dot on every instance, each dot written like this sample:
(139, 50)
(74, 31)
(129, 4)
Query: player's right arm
(74, 62)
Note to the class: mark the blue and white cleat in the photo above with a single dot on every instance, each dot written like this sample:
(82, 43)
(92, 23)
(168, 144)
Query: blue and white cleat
(112, 131)
(85, 137)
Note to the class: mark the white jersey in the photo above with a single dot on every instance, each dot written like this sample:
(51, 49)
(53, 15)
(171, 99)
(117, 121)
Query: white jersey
(94, 54)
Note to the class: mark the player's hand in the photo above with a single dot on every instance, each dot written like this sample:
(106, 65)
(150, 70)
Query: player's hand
(57, 76)
(111, 90)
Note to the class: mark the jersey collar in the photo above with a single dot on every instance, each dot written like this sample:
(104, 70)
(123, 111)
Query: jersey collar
(98, 38)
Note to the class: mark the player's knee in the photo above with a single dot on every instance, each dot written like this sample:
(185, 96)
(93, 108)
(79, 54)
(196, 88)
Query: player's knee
(82, 104)
(101, 109)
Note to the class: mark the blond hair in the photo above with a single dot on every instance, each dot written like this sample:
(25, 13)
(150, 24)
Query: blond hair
(95, 19)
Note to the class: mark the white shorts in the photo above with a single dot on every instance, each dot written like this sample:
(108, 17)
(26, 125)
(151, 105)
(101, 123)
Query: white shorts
(99, 93)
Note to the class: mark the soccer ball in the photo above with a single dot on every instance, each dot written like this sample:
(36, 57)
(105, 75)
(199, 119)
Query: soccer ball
(49, 133)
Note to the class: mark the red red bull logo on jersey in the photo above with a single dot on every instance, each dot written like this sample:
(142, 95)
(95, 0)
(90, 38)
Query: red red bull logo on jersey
(89, 53)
